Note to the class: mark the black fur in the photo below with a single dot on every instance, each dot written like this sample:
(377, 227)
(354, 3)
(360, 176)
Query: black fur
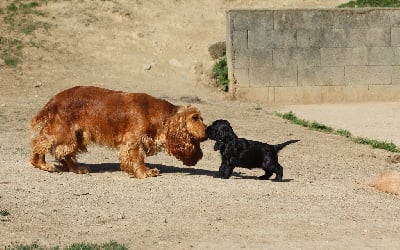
(239, 152)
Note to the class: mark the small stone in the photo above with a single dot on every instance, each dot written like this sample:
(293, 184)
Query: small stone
(175, 63)
(38, 84)
(147, 66)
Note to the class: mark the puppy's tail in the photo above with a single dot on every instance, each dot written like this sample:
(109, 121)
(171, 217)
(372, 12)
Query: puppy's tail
(278, 147)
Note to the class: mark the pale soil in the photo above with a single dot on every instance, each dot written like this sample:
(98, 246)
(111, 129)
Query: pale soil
(324, 204)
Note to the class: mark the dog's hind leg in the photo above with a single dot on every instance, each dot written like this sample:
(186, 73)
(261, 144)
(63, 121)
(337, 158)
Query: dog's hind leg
(41, 146)
(65, 154)
(69, 165)
(270, 169)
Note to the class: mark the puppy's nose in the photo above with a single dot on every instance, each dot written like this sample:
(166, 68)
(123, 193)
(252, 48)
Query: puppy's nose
(208, 130)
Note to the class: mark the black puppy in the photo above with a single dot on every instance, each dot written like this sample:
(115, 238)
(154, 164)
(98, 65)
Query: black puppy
(239, 152)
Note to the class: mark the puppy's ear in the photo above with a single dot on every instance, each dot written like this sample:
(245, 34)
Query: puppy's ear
(225, 133)
(218, 145)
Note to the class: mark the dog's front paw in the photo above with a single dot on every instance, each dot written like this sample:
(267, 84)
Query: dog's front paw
(153, 172)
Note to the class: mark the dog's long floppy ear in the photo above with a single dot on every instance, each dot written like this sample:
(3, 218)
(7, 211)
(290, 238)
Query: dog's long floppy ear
(179, 142)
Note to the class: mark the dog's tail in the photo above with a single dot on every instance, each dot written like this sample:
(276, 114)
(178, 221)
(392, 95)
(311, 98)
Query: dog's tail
(278, 147)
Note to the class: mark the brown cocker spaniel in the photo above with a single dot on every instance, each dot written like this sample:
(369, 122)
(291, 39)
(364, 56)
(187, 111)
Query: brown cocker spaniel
(136, 124)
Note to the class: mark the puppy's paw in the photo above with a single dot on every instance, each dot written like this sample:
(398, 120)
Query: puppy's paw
(221, 176)
(218, 175)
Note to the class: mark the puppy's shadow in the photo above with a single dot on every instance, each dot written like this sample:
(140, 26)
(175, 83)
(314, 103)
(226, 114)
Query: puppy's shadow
(239, 176)
(283, 180)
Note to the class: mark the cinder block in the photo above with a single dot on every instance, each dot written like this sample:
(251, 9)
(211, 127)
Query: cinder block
(396, 75)
(272, 39)
(394, 18)
(308, 57)
(370, 37)
(260, 58)
(288, 19)
(346, 18)
(240, 19)
(302, 57)
(334, 38)
(377, 37)
(240, 55)
(284, 58)
(378, 18)
(261, 20)
(381, 56)
(368, 75)
(333, 56)
(302, 19)
(321, 76)
(344, 56)
(241, 61)
(357, 56)
(260, 94)
(298, 95)
(239, 41)
(243, 20)
(395, 36)
(270, 76)
(396, 56)
(309, 38)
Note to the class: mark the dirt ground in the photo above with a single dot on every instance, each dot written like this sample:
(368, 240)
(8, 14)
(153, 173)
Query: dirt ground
(160, 47)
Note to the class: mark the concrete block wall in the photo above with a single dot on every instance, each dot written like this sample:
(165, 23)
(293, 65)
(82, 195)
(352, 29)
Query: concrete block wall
(300, 56)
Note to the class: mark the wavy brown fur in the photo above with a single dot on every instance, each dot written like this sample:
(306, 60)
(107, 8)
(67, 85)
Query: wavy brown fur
(136, 124)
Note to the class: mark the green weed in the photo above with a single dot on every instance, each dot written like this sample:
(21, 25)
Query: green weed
(112, 245)
(376, 144)
(4, 212)
(290, 116)
(10, 51)
(220, 73)
(370, 3)
(18, 16)
(343, 132)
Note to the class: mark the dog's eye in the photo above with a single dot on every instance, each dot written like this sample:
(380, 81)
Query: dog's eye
(195, 118)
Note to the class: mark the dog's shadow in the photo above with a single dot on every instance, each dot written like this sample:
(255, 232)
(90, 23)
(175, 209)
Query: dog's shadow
(167, 169)
(164, 169)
